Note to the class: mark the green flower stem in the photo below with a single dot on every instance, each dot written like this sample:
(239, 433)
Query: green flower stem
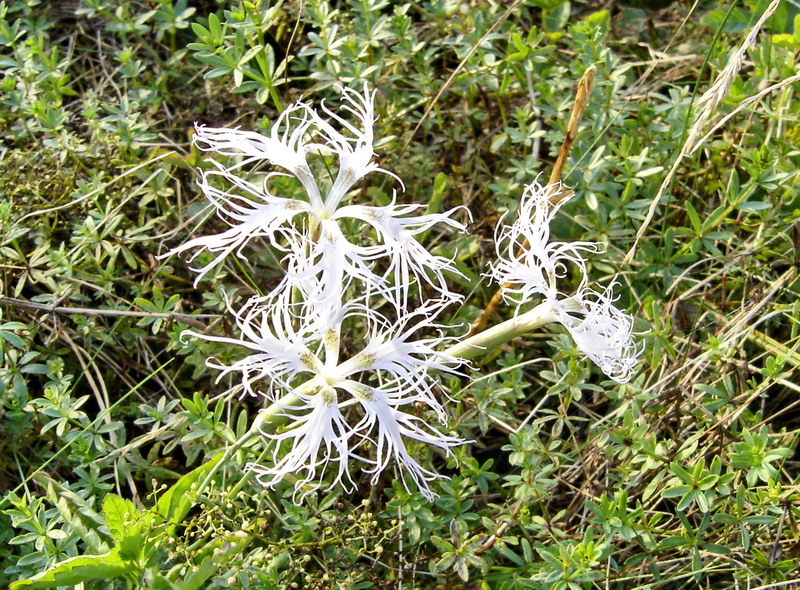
(249, 474)
(498, 335)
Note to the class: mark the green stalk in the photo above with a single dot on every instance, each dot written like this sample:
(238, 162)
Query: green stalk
(247, 475)
(488, 340)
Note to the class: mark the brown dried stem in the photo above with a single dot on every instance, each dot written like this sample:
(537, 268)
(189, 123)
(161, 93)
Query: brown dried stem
(191, 320)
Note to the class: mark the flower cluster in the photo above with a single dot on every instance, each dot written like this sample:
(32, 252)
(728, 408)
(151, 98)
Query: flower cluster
(528, 264)
(357, 383)
(346, 403)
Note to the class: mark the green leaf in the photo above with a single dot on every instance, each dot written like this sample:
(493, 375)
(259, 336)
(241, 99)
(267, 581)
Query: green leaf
(753, 206)
(118, 512)
(694, 218)
(439, 189)
(13, 339)
(676, 491)
(527, 551)
(784, 40)
(214, 27)
(76, 570)
(176, 502)
(716, 548)
(200, 31)
(645, 172)
(198, 576)
(673, 541)
(159, 582)
(708, 482)
(461, 570)
(133, 542)
(600, 19)
(726, 519)
(701, 500)
(556, 18)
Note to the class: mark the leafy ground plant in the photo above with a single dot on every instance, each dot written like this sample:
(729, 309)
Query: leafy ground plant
(124, 446)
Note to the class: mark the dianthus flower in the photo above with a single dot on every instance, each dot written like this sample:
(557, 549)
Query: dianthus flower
(529, 264)
(389, 377)
(527, 260)
(311, 228)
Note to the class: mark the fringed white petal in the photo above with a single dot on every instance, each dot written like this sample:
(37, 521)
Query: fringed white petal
(355, 152)
(285, 147)
(317, 438)
(403, 361)
(281, 352)
(395, 426)
(408, 262)
(252, 213)
(323, 269)
(603, 332)
(535, 269)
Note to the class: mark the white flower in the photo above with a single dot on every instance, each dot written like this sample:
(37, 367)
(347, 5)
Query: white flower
(394, 425)
(309, 231)
(391, 374)
(530, 264)
(321, 270)
(527, 262)
(395, 350)
(408, 260)
(318, 437)
(395, 372)
(603, 332)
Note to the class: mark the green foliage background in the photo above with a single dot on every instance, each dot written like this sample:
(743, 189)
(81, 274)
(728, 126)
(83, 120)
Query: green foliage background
(111, 426)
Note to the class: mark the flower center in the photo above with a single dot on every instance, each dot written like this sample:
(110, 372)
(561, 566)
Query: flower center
(362, 392)
(329, 395)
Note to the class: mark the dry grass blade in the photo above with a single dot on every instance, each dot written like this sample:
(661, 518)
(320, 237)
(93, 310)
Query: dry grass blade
(745, 103)
(708, 102)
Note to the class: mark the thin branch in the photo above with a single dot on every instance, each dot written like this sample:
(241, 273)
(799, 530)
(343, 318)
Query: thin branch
(191, 320)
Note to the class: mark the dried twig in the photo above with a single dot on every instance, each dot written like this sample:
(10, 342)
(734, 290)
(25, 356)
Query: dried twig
(190, 320)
